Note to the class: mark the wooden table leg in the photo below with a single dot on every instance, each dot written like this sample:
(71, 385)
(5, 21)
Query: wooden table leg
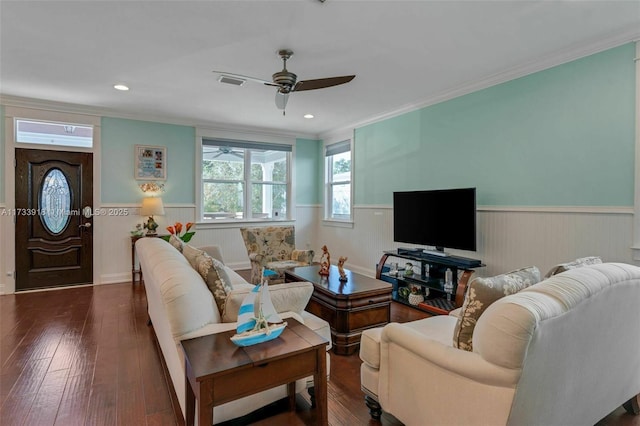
(291, 393)
(320, 385)
(205, 403)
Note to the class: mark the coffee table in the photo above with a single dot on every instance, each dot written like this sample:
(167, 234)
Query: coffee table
(217, 371)
(349, 308)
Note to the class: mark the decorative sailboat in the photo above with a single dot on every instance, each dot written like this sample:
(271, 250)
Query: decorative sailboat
(263, 325)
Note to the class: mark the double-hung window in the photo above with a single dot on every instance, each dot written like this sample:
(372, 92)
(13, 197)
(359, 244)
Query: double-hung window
(245, 180)
(338, 181)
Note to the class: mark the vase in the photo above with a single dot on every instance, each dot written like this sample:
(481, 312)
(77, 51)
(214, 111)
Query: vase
(415, 298)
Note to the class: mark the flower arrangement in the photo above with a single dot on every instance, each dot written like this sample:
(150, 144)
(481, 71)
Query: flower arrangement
(176, 229)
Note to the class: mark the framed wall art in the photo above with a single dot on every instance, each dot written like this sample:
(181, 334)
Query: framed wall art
(150, 162)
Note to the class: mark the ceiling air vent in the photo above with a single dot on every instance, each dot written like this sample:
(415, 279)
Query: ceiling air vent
(231, 80)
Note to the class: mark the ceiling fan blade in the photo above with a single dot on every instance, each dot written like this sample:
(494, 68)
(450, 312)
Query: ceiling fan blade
(321, 83)
(281, 100)
(246, 77)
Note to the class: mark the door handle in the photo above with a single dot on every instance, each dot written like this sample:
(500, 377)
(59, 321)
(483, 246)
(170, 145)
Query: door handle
(85, 225)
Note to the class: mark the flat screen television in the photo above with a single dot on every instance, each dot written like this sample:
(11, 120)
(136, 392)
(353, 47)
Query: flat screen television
(443, 218)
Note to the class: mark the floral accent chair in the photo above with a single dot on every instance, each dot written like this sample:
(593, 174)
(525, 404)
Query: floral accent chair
(273, 247)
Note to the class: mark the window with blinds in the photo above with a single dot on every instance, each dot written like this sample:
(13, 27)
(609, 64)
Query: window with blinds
(245, 180)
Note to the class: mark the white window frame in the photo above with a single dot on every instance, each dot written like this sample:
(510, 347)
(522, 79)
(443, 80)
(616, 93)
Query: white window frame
(256, 138)
(329, 219)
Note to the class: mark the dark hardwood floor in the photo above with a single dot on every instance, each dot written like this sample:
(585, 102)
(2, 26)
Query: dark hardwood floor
(85, 356)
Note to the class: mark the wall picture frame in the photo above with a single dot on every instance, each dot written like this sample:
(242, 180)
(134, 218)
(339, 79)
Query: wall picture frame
(150, 162)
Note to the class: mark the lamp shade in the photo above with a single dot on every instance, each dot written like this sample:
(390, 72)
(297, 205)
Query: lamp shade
(152, 206)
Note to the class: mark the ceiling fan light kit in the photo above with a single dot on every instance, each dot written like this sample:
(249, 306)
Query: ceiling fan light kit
(285, 81)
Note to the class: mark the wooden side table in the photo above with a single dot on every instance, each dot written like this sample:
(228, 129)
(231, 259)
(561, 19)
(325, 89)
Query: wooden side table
(217, 371)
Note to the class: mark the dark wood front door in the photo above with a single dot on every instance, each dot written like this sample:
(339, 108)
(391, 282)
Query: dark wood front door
(54, 239)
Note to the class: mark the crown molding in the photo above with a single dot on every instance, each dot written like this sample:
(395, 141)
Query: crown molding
(540, 64)
(45, 105)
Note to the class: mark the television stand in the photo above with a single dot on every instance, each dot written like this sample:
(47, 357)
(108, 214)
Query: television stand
(429, 276)
(436, 253)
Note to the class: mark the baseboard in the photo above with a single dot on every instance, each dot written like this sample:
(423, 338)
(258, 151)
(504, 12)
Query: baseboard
(121, 277)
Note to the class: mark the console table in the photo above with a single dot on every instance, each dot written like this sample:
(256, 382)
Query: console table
(349, 307)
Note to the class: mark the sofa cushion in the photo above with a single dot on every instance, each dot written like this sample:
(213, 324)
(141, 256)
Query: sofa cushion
(578, 263)
(176, 242)
(481, 293)
(285, 297)
(191, 253)
(215, 276)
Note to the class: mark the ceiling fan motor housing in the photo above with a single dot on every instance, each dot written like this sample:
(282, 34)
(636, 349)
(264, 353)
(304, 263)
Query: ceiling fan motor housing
(285, 79)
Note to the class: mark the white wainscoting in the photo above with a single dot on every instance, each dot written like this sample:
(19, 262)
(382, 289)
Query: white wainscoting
(116, 241)
(507, 238)
(114, 238)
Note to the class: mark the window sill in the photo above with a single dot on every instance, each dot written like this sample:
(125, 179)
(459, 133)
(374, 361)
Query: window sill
(238, 223)
(337, 223)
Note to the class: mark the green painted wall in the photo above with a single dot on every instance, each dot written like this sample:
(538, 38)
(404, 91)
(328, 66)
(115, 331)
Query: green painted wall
(307, 171)
(118, 139)
(563, 136)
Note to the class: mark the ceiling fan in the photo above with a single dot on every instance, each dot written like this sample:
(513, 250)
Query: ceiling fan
(285, 81)
(223, 150)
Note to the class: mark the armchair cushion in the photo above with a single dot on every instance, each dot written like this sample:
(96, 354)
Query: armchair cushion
(290, 297)
(269, 246)
(303, 256)
(481, 293)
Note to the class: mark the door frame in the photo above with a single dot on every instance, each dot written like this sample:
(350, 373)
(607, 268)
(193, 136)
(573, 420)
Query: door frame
(8, 262)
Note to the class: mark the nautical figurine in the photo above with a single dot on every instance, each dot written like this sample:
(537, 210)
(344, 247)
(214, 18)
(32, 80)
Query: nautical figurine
(263, 325)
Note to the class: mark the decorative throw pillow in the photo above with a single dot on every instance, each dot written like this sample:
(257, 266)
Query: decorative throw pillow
(216, 278)
(578, 263)
(176, 242)
(191, 253)
(481, 293)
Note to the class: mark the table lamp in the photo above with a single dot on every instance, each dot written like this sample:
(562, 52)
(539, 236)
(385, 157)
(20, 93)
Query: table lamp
(151, 206)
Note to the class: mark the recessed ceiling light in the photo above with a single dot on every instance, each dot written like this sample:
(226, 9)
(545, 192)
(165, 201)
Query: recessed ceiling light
(121, 87)
(308, 116)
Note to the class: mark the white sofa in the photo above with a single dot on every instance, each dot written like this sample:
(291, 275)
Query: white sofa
(565, 351)
(181, 307)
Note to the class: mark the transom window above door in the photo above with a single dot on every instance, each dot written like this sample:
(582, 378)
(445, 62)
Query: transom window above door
(52, 133)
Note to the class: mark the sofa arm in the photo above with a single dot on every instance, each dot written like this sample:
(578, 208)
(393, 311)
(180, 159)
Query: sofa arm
(457, 361)
(304, 256)
(289, 297)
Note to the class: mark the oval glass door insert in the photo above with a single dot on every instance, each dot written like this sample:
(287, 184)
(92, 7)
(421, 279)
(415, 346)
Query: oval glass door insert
(55, 201)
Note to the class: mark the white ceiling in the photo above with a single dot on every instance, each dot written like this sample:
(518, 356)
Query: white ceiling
(404, 53)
